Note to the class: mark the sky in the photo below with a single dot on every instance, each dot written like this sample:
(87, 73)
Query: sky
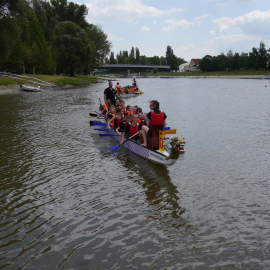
(193, 28)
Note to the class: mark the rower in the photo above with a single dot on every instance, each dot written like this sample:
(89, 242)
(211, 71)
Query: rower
(116, 120)
(110, 114)
(132, 129)
(156, 121)
(123, 124)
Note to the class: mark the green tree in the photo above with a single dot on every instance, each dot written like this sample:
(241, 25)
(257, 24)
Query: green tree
(169, 52)
(221, 62)
(243, 61)
(100, 44)
(253, 59)
(229, 60)
(236, 61)
(73, 50)
(112, 60)
(137, 52)
(206, 63)
(263, 56)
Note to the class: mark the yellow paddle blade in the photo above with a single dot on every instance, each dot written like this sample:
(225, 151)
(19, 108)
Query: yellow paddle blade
(141, 93)
(90, 116)
(170, 131)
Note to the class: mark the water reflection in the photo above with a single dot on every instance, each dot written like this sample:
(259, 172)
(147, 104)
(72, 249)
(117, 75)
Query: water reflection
(161, 194)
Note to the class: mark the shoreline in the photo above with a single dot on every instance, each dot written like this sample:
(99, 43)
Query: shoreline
(15, 88)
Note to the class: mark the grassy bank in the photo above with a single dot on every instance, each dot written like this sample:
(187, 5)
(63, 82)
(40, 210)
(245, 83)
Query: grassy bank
(60, 81)
(215, 73)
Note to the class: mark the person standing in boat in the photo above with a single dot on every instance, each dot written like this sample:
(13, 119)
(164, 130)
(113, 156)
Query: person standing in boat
(118, 89)
(155, 117)
(109, 93)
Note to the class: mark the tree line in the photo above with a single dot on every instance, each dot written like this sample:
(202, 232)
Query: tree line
(49, 36)
(134, 57)
(256, 59)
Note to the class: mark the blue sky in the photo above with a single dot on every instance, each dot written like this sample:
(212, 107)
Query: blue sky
(192, 28)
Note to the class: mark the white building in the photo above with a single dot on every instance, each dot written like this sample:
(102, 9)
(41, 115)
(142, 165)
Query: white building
(184, 67)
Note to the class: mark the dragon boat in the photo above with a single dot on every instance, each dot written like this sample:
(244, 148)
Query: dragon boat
(172, 149)
(158, 150)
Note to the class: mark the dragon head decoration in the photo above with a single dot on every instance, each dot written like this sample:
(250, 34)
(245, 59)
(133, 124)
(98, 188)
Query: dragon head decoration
(177, 147)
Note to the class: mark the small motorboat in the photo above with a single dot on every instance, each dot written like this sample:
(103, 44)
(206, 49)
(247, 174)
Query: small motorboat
(30, 88)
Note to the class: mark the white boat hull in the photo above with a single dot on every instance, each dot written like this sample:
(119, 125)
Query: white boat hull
(154, 156)
(30, 88)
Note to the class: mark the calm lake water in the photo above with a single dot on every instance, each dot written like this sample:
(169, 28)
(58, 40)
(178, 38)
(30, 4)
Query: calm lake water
(67, 203)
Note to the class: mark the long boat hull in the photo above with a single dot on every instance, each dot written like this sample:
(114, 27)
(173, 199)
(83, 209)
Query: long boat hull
(155, 156)
(129, 95)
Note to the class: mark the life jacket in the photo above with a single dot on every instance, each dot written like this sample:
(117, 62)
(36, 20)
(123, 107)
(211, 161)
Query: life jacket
(143, 122)
(157, 119)
(117, 121)
(118, 89)
(134, 130)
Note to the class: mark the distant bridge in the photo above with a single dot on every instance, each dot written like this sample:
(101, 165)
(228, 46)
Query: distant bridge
(130, 66)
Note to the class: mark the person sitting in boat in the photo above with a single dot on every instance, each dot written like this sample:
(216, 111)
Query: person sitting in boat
(132, 129)
(141, 120)
(123, 106)
(110, 114)
(156, 117)
(115, 121)
(118, 104)
(106, 107)
(139, 110)
(134, 109)
(123, 124)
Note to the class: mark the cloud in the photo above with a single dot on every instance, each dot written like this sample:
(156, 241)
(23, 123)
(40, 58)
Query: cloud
(253, 23)
(174, 24)
(198, 20)
(122, 10)
(222, 4)
(144, 29)
(113, 37)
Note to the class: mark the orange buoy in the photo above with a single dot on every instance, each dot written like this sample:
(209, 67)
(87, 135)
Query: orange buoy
(265, 85)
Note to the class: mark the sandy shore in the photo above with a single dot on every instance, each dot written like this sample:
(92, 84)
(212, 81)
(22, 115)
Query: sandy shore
(10, 89)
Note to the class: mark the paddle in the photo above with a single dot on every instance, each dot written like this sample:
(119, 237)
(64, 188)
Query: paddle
(104, 129)
(100, 114)
(171, 131)
(117, 146)
(96, 115)
(101, 108)
(96, 123)
(107, 135)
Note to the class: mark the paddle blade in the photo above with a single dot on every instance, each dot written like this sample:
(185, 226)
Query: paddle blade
(104, 129)
(171, 131)
(101, 108)
(107, 135)
(96, 123)
(114, 147)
